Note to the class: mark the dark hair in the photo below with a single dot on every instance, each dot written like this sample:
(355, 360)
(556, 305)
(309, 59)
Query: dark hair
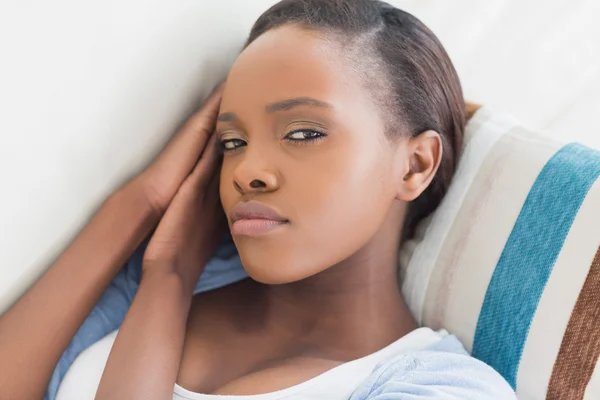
(408, 70)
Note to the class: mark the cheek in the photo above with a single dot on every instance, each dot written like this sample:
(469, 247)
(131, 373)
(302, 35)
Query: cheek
(336, 202)
(347, 204)
(227, 193)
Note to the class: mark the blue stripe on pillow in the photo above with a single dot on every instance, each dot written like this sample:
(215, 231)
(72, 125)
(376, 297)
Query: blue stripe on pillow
(529, 256)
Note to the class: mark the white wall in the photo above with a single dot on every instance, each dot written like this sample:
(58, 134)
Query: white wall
(539, 60)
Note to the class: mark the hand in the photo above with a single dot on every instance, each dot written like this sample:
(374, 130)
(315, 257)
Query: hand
(146, 355)
(192, 226)
(161, 179)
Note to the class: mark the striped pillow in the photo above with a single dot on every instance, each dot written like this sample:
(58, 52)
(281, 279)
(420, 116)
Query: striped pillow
(510, 261)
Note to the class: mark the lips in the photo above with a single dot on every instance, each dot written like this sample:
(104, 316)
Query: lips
(254, 218)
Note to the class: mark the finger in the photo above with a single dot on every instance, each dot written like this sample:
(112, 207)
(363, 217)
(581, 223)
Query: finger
(202, 121)
(195, 132)
(208, 164)
(212, 190)
(180, 155)
(220, 225)
(212, 193)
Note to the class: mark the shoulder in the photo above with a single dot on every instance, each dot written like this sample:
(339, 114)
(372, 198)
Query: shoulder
(444, 371)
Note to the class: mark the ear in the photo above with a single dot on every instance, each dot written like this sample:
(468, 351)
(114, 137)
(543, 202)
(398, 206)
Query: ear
(419, 164)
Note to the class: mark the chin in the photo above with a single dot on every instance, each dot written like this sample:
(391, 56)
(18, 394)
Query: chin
(269, 272)
(276, 267)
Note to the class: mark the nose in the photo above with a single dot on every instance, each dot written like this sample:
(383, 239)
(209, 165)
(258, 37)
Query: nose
(253, 174)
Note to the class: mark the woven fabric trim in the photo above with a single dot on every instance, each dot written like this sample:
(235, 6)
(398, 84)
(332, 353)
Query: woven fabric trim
(529, 255)
(580, 347)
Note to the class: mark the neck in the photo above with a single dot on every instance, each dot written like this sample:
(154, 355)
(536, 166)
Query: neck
(351, 309)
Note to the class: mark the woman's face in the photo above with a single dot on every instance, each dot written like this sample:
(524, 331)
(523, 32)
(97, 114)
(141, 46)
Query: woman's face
(302, 136)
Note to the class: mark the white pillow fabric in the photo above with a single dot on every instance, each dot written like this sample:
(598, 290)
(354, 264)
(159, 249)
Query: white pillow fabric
(510, 261)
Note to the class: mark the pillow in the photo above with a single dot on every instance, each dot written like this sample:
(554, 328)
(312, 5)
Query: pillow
(510, 261)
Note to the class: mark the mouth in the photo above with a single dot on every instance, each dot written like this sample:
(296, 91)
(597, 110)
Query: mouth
(254, 218)
(254, 227)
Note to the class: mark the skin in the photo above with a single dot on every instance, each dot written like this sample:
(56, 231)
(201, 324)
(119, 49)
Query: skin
(324, 288)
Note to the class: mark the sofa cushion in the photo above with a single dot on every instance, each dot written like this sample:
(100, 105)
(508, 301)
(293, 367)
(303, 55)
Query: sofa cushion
(510, 261)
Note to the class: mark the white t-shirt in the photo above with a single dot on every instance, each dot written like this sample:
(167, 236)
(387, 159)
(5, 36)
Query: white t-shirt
(82, 379)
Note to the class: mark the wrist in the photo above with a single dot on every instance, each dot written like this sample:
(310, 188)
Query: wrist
(136, 193)
(146, 187)
(158, 272)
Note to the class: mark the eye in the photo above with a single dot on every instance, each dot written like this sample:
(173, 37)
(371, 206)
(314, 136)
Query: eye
(304, 135)
(231, 144)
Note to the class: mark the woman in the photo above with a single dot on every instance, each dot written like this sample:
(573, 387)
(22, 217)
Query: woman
(339, 128)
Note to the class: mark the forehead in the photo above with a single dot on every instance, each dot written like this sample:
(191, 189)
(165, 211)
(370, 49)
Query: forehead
(289, 62)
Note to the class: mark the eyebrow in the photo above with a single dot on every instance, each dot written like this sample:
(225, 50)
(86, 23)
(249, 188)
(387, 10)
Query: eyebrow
(296, 102)
(227, 117)
(283, 105)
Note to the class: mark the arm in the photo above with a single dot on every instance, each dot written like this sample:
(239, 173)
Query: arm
(144, 360)
(106, 317)
(38, 328)
(35, 331)
(145, 357)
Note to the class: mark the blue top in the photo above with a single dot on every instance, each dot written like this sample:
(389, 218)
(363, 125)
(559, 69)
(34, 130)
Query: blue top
(443, 371)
